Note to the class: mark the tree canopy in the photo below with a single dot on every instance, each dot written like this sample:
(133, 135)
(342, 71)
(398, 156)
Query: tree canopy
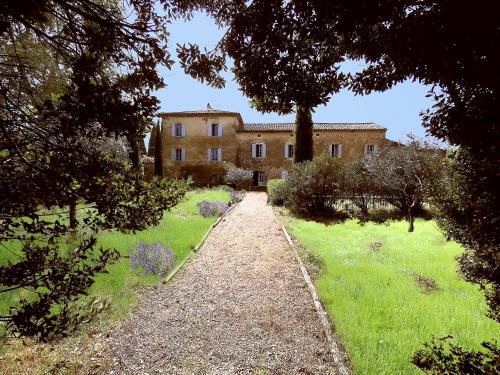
(74, 77)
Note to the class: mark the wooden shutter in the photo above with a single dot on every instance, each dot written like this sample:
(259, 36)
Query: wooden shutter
(286, 151)
(341, 149)
(220, 129)
(263, 150)
(209, 154)
(375, 148)
(219, 154)
(254, 150)
(183, 154)
(173, 130)
(173, 154)
(330, 151)
(209, 129)
(183, 131)
(366, 150)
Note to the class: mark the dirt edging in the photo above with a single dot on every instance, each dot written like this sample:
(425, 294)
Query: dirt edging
(340, 357)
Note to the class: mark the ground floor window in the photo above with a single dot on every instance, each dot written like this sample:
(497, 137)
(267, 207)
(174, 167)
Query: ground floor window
(259, 178)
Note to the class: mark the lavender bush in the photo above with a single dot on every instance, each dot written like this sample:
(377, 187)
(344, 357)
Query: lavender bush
(208, 209)
(155, 259)
(237, 196)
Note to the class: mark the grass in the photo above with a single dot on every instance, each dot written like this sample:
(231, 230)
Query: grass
(181, 229)
(389, 291)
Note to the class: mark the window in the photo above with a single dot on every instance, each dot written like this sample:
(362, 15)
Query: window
(261, 178)
(259, 150)
(289, 151)
(178, 154)
(370, 149)
(215, 130)
(336, 151)
(215, 154)
(178, 130)
(284, 175)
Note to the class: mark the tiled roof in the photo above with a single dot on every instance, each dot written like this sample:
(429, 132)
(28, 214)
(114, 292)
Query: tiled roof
(290, 126)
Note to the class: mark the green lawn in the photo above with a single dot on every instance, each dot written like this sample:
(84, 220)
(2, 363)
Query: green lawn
(181, 229)
(381, 313)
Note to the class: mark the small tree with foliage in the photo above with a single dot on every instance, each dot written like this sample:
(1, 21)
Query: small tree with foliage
(239, 177)
(313, 187)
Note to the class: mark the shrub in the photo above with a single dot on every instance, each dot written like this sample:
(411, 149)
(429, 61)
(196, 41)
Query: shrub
(208, 209)
(155, 259)
(313, 187)
(239, 177)
(444, 357)
(276, 192)
(237, 196)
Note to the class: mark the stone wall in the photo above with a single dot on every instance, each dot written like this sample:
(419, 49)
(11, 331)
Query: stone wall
(236, 147)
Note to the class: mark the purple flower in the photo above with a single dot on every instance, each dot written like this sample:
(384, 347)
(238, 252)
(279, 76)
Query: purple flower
(155, 259)
(208, 209)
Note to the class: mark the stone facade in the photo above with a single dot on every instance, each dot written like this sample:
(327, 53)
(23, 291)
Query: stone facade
(203, 145)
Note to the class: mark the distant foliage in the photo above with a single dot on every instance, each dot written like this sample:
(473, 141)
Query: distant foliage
(239, 177)
(237, 196)
(313, 187)
(209, 209)
(444, 357)
(275, 192)
(154, 259)
(226, 188)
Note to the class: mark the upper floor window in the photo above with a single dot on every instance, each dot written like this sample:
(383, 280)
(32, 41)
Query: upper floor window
(215, 130)
(336, 151)
(370, 149)
(178, 154)
(259, 150)
(178, 130)
(289, 151)
(215, 154)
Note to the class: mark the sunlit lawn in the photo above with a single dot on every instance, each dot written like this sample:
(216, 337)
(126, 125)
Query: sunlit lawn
(381, 313)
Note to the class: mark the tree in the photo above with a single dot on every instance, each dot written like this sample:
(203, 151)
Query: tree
(239, 177)
(277, 62)
(48, 130)
(158, 151)
(399, 171)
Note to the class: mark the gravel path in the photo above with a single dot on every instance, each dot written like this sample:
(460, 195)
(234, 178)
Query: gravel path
(240, 306)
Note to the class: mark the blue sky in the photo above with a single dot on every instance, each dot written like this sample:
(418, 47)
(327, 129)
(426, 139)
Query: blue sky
(397, 109)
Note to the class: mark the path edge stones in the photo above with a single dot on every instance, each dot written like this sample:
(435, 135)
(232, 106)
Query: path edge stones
(339, 355)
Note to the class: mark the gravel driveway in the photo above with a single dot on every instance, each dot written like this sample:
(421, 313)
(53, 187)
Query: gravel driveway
(240, 306)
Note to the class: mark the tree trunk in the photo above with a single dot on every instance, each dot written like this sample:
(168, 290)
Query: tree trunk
(158, 152)
(410, 219)
(303, 135)
(73, 223)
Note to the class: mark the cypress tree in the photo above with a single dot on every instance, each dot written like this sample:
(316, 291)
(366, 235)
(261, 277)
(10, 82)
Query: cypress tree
(157, 151)
(303, 135)
(151, 143)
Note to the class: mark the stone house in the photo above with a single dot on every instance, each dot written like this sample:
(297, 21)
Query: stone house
(203, 145)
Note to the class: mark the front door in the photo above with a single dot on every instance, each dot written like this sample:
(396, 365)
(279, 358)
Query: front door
(255, 178)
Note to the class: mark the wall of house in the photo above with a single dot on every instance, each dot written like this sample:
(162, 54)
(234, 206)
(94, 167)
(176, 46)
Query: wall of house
(237, 147)
(196, 143)
(274, 164)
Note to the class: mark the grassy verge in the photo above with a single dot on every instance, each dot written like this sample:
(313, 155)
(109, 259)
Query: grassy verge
(377, 283)
(180, 229)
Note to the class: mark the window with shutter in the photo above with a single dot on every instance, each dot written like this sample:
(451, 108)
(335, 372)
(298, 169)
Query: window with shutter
(370, 149)
(178, 130)
(215, 130)
(336, 151)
